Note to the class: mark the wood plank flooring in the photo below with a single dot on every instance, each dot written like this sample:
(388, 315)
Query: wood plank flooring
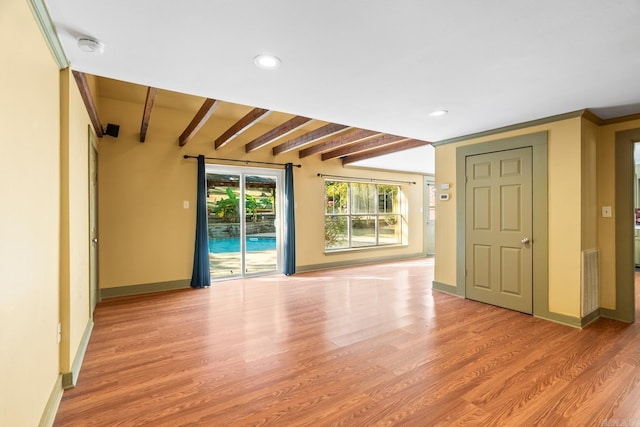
(362, 346)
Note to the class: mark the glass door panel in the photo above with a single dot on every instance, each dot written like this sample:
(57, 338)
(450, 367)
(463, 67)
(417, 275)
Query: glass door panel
(224, 219)
(260, 224)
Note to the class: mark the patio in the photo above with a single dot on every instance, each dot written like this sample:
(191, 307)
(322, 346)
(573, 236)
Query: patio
(227, 264)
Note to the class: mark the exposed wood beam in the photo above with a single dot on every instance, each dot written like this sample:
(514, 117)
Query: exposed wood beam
(241, 125)
(201, 117)
(308, 138)
(284, 129)
(146, 116)
(393, 148)
(369, 144)
(85, 93)
(339, 141)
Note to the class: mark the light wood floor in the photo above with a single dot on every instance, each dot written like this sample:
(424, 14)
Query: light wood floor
(360, 346)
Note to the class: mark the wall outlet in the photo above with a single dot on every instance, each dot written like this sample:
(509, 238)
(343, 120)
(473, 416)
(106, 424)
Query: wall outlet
(59, 333)
(185, 204)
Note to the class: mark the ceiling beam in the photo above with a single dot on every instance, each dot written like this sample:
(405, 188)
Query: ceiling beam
(309, 137)
(284, 129)
(339, 141)
(85, 93)
(369, 144)
(201, 117)
(393, 148)
(146, 116)
(240, 126)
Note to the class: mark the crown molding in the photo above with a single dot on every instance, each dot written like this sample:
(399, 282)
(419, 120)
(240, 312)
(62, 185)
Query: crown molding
(41, 14)
(524, 125)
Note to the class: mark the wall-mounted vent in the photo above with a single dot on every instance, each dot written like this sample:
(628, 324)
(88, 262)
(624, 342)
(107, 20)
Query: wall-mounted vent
(590, 278)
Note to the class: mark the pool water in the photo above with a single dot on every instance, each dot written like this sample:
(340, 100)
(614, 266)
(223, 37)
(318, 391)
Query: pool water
(252, 244)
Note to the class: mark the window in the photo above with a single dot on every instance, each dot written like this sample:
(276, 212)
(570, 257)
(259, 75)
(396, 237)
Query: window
(359, 215)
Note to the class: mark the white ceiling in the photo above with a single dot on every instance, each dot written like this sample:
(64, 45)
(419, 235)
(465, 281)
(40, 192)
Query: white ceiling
(373, 64)
(420, 160)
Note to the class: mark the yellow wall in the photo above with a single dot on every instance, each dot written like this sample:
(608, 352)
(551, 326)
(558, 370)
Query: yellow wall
(589, 185)
(146, 236)
(446, 231)
(565, 213)
(564, 217)
(29, 218)
(606, 197)
(74, 221)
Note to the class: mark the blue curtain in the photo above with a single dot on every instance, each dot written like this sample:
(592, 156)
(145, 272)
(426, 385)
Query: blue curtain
(201, 277)
(290, 222)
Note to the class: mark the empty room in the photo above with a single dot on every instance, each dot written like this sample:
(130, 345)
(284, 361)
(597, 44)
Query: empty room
(360, 214)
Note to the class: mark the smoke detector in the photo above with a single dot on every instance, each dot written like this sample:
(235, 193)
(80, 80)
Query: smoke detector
(90, 45)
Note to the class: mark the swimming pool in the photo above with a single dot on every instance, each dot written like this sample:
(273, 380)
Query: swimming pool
(252, 244)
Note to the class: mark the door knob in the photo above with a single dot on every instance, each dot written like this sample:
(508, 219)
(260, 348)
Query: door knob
(94, 240)
(525, 240)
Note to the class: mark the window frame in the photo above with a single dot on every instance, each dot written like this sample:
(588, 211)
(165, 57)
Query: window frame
(377, 215)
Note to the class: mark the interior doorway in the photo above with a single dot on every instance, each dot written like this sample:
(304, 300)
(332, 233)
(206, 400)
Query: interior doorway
(626, 290)
(244, 221)
(636, 234)
(539, 202)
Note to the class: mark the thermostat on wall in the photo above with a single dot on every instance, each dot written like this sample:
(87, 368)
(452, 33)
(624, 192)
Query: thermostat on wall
(444, 196)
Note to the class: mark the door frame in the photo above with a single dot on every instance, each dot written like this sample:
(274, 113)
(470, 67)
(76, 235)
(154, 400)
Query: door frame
(242, 172)
(94, 285)
(624, 230)
(538, 143)
(523, 302)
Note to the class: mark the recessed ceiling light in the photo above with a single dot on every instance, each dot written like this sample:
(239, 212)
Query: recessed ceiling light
(90, 45)
(267, 62)
(438, 113)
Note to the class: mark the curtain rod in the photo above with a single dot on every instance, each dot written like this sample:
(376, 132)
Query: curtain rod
(186, 156)
(366, 179)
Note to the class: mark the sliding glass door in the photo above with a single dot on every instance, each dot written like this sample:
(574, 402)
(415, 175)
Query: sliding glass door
(243, 221)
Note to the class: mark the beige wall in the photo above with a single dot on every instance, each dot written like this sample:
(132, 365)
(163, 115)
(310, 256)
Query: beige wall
(146, 236)
(564, 217)
(74, 221)
(29, 218)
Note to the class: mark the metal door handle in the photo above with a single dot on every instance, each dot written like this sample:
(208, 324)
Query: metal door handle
(94, 240)
(525, 240)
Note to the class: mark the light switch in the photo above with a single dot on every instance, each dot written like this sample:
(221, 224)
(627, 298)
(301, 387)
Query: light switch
(185, 204)
(606, 211)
